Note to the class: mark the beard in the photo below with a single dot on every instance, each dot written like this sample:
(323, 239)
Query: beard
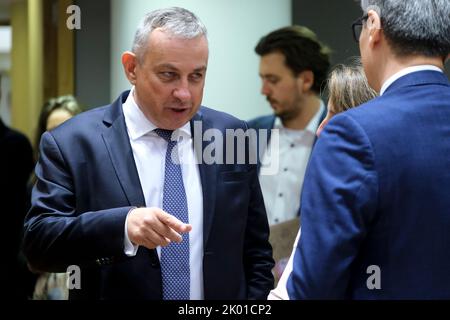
(286, 115)
(289, 109)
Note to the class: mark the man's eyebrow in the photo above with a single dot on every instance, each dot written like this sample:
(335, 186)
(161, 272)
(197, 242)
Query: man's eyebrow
(172, 67)
(200, 69)
(166, 66)
(268, 75)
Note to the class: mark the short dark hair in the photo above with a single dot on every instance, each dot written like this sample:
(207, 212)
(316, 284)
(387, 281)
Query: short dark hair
(301, 49)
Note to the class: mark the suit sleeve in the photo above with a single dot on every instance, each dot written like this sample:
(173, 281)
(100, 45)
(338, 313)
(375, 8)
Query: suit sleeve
(338, 203)
(56, 234)
(257, 249)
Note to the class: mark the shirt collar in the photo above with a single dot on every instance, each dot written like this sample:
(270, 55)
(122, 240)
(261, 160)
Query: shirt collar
(137, 123)
(312, 125)
(404, 72)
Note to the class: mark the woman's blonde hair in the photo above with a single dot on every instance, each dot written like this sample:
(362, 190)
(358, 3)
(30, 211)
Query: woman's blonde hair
(348, 87)
(68, 103)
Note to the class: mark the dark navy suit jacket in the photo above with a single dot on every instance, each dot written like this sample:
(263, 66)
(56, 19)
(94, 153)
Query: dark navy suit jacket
(88, 182)
(376, 195)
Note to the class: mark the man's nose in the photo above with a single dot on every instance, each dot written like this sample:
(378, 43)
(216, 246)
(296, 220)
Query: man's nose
(182, 92)
(265, 90)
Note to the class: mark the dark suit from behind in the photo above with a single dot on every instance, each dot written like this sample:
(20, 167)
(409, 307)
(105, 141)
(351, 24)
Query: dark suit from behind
(377, 194)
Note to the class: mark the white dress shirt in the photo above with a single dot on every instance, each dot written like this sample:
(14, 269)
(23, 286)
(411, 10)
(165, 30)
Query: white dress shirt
(404, 72)
(282, 191)
(149, 151)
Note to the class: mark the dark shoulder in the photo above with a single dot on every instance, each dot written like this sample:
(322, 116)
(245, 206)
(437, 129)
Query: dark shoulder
(368, 110)
(83, 123)
(14, 139)
(262, 122)
(219, 119)
(16, 151)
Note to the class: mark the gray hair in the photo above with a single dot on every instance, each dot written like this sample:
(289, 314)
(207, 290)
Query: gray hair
(177, 21)
(414, 26)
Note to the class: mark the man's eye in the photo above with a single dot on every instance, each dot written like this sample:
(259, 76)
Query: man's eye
(167, 75)
(196, 76)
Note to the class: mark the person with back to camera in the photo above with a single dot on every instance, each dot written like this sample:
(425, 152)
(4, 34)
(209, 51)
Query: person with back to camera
(348, 88)
(375, 206)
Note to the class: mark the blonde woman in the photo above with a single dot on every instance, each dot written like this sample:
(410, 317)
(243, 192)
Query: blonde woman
(347, 86)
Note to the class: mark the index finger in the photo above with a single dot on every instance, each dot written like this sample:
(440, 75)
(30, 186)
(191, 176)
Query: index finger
(173, 222)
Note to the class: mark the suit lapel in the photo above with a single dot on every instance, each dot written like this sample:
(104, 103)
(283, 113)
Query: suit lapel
(119, 149)
(208, 175)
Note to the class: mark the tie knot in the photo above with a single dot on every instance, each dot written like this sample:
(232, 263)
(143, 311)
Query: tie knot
(165, 134)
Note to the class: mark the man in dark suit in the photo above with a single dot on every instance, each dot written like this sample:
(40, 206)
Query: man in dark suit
(375, 206)
(120, 192)
(293, 66)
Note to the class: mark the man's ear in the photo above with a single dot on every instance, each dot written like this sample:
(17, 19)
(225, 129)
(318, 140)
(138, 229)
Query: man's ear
(129, 62)
(305, 80)
(373, 24)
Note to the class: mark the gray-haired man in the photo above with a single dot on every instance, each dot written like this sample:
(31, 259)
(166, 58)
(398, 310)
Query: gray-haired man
(111, 198)
(375, 206)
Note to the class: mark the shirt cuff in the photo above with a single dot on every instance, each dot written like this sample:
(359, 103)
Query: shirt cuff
(129, 248)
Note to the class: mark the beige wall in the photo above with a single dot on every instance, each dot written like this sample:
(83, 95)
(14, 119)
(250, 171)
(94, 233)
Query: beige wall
(26, 65)
(34, 79)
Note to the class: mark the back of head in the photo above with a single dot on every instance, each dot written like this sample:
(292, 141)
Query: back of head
(414, 27)
(175, 20)
(67, 103)
(301, 49)
(348, 87)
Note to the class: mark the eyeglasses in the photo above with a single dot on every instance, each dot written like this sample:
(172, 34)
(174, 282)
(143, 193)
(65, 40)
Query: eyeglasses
(357, 27)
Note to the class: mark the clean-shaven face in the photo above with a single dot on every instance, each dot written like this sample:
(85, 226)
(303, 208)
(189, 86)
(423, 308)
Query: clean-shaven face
(170, 79)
